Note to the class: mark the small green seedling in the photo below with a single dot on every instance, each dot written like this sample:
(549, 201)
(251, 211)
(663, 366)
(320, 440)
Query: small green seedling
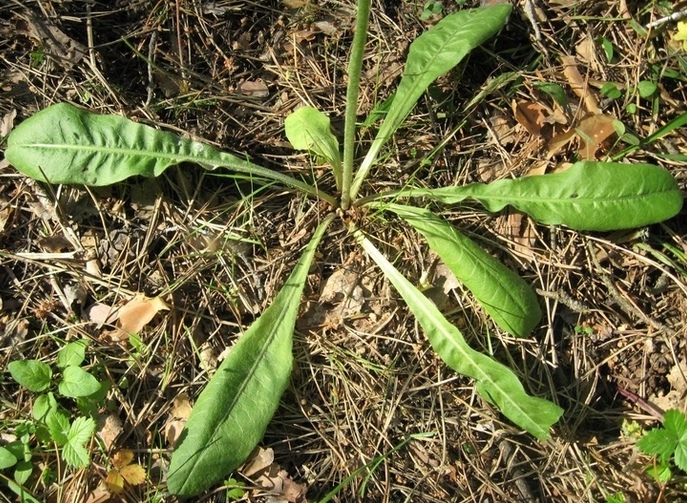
(669, 444)
(64, 144)
(52, 424)
(432, 8)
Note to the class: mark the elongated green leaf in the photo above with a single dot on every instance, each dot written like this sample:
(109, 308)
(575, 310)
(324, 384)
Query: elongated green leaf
(495, 382)
(309, 129)
(65, 144)
(590, 195)
(232, 412)
(431, 55)
(504, 295)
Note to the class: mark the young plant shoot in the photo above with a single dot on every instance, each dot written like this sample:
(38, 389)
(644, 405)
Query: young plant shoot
(64, 144)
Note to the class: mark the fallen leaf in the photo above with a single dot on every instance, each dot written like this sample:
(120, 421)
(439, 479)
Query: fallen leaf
(677, 377)
(124, 471)
(579, 85)
(282, 487)
(138, 312)
(5, 212)
(593, 131)
(501, 128)
(325, 27)
(296, 4)
(65, 50)
(520, 232)
(181, 407)
(101, 314)
(181, 410)
(530, 115)
(54, 244)
(99, 495)
(586, 50)
(173, 429)
(255, 88)
(7, 122)
(110, 429)
(259, 460)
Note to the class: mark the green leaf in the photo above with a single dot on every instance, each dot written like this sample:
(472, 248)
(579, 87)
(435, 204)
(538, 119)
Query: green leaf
(554, 90)
(74, 451)
(72, 354)
(432, 55)
(668, 440)
(495, 382)
(503, 294)
(610, 90)
(32, 374)
(65, 144)
(43, 406)
(24, 495)
(309, 129)
(77, 382)
(58, 426)
(23, 471)
(646, 88)
(661, 473)
(607, 47)
(7, 459)
(380, 110)
(233, 411)
(657, 442)
(589, 195)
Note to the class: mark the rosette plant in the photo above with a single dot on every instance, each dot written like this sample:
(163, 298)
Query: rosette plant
(64, 144)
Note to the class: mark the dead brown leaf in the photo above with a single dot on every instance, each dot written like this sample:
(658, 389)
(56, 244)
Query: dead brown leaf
(99, 495)
(181, 407)
(138, 312)
(7, 122)
(54, 244)
(260, 460)
(124, 472)
(579, 85)
(255, 88)
(327, 28)
(593, 131)
(65, 50)
(530, 115)
(502, 128)
(296, 4)
(181, 410)
(110, 429)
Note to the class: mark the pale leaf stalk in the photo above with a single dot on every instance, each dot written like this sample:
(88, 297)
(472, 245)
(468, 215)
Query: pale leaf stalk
(354, 69)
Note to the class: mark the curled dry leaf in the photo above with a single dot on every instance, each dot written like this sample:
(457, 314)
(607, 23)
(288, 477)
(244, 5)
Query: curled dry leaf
(260, 460)
(181, 410)
(139, 311)
(579, 84)
(65, 50)
(255, 88)
(7, 122)
(282, 487)
(110, 429)
(531, 115)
